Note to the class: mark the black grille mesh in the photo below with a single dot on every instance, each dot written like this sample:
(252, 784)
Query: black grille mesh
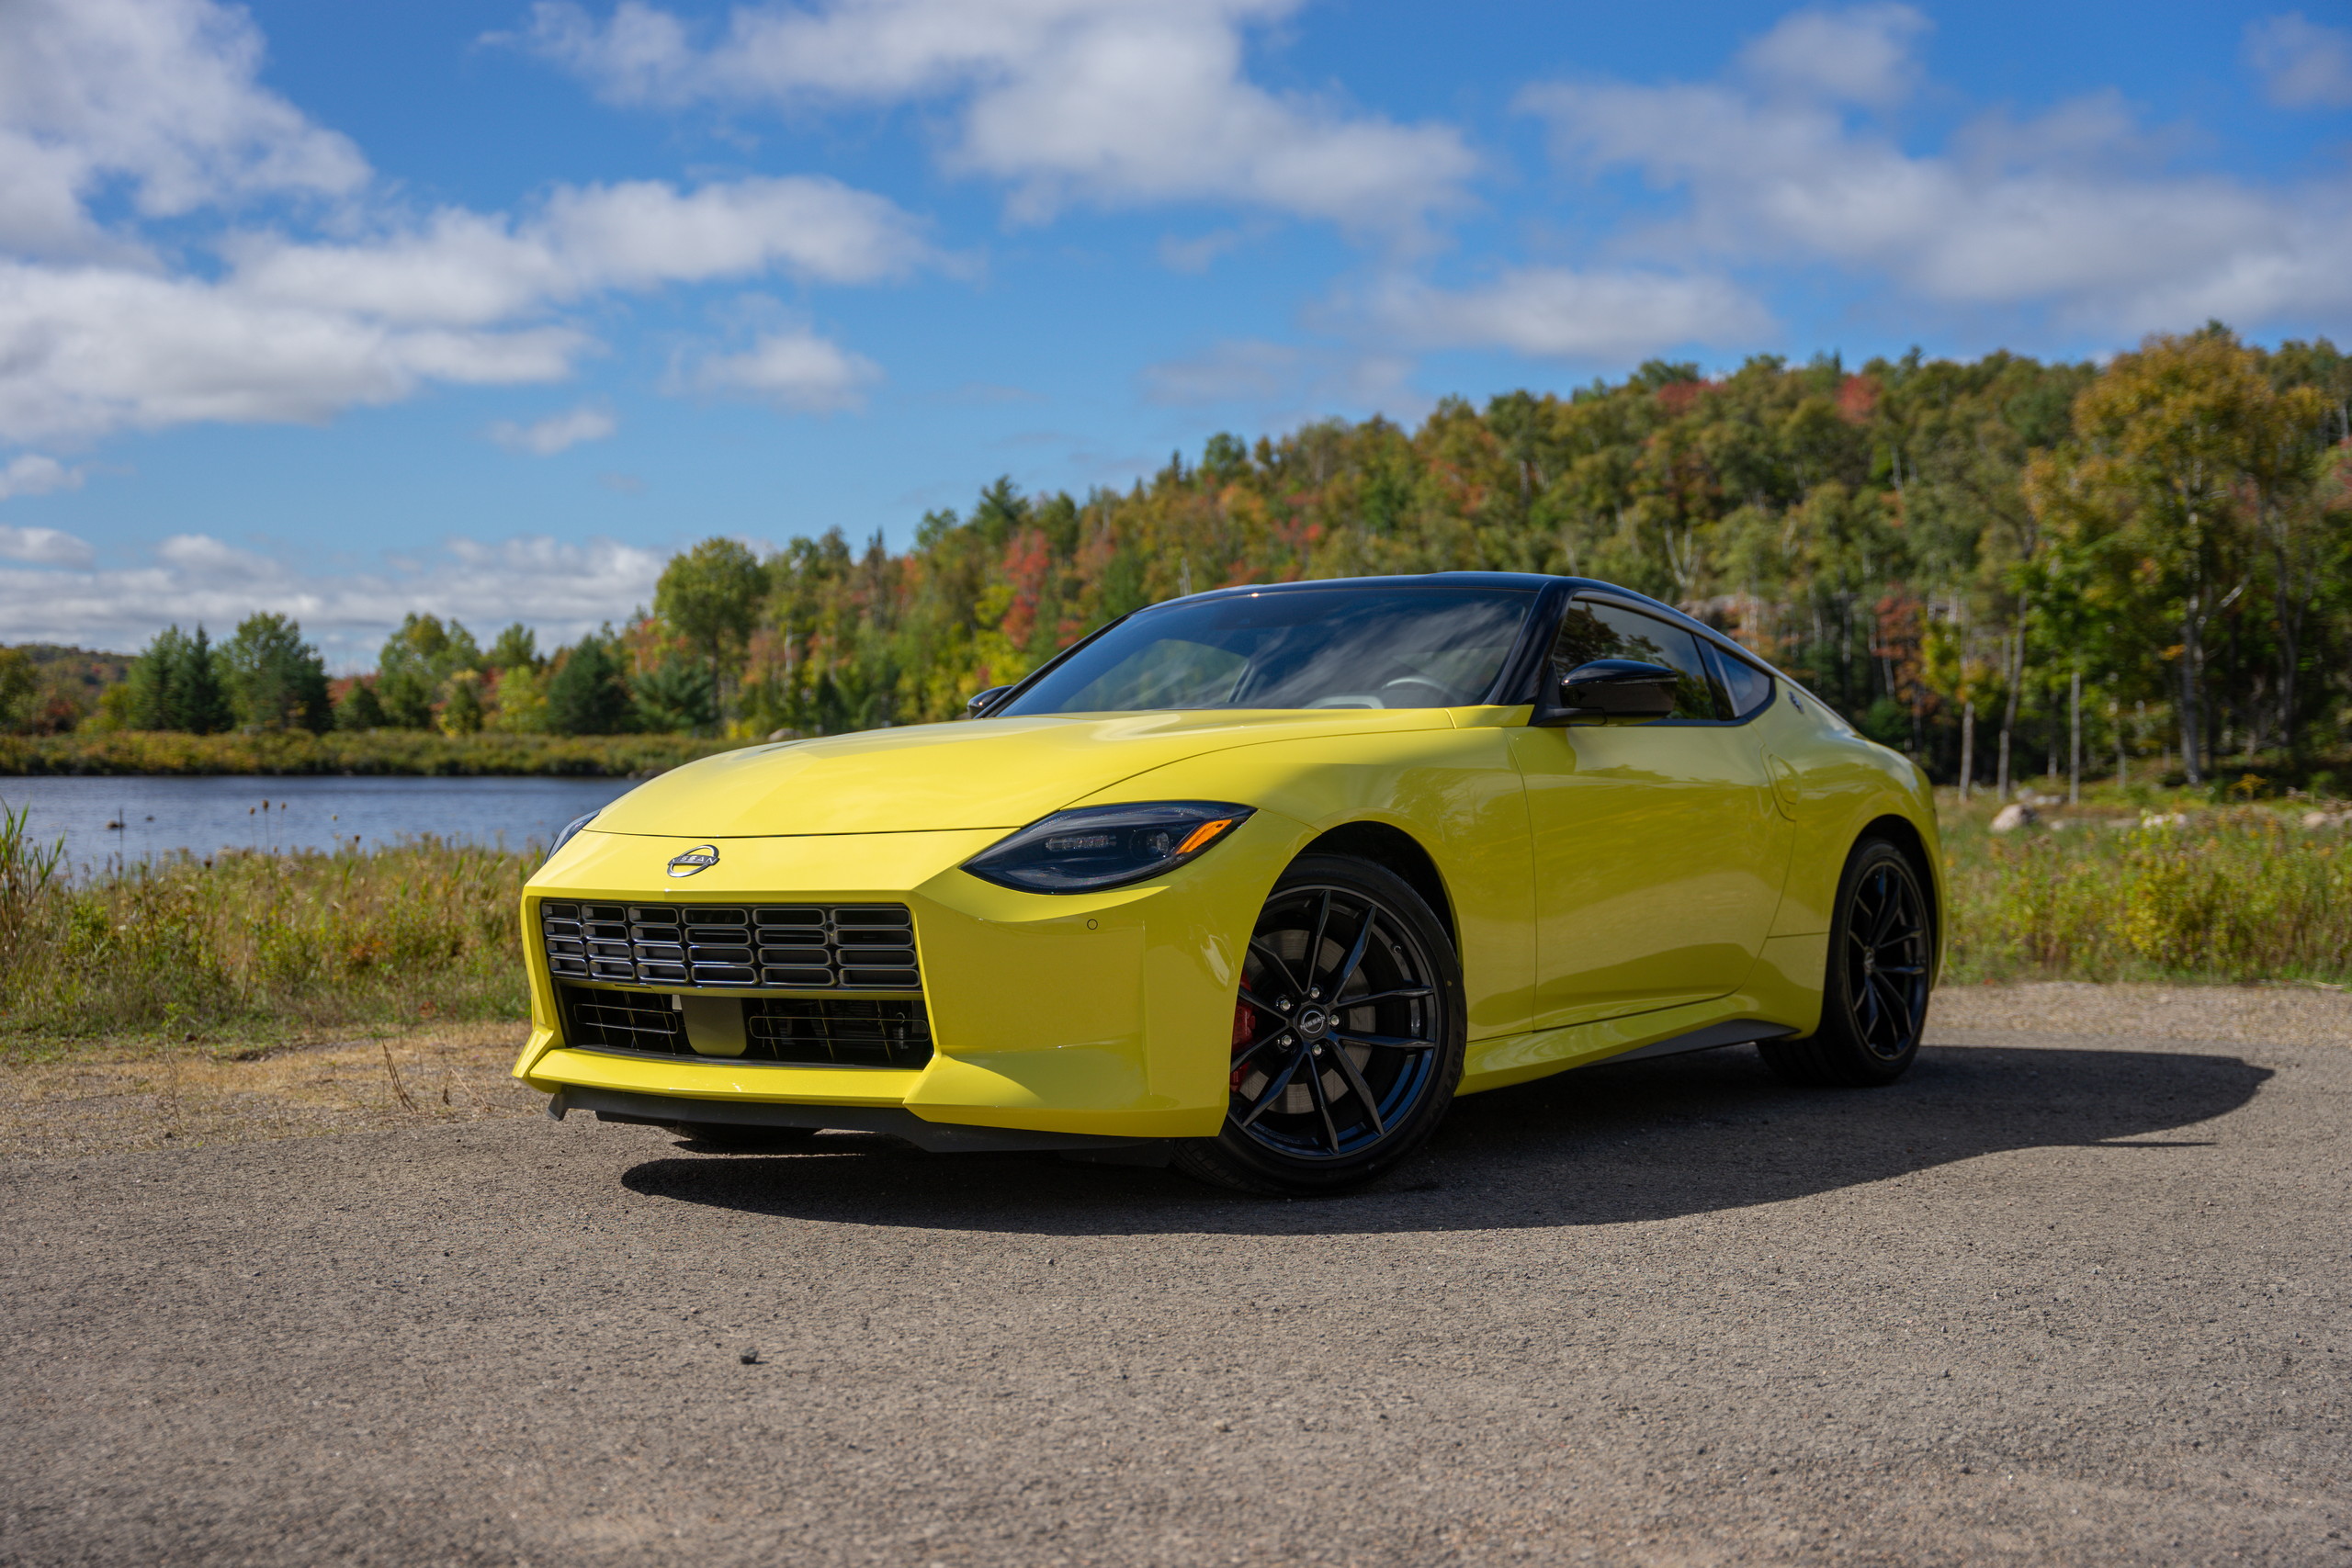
(791, 946)
(810, 1030)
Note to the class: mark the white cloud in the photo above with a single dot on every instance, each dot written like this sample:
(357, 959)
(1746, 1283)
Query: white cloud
(42, 546)
(2060, 214)
(1113, 101)
(1563, 313)
(33, 474)
(470, 268)
(555, 434)
(559, 589)
(148, 109)
(793, 368)
(1859, 56)
(297, 331)
(89, 350)
(2303, 64)
(158, 96)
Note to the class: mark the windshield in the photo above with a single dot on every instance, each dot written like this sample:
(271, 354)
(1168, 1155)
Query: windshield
(1311, 648)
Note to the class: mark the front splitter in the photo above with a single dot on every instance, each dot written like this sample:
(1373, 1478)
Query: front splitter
(938, 1137)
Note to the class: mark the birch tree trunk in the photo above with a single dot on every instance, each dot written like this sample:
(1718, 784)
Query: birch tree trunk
(2192, 712)
(1967, 749)
(2016, 690)
(2075, 738)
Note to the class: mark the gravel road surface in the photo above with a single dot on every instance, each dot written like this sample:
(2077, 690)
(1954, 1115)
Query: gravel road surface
(2052, 1299)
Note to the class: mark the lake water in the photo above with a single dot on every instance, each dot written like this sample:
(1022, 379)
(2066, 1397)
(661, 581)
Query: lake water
(205, 815)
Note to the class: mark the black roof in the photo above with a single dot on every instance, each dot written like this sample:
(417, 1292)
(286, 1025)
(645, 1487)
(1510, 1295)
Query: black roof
(1526, 581)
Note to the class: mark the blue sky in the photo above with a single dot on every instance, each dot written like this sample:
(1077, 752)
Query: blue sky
(347, 310)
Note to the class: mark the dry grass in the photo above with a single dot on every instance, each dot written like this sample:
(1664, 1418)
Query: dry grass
(2170, 892)
(113, 1104)
(120, 1103)
(248, 948)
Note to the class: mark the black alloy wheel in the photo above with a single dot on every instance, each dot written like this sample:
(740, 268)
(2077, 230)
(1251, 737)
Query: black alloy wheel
(1882, 965)
(1348, 1035)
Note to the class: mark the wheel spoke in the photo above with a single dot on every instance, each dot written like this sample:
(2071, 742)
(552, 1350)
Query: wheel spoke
(1902, 968)
(1249, 1000)
(1314, 947)
(1363, 1090)
(1281, 968)
(1355, 953)
(1890, 904)
(1868, 999)
(1254, 1047)
(1384, 1041)
(1265, 1102)
(1322, 1102)
(1347, 1004)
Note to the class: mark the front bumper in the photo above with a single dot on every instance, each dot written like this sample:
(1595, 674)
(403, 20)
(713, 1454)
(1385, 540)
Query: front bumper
(1092, 1015)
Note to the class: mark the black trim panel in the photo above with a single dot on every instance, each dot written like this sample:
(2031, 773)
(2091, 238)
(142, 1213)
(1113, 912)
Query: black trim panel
(939, 1137)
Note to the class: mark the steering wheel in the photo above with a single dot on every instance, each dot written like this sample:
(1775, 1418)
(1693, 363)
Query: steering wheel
(1445, 697)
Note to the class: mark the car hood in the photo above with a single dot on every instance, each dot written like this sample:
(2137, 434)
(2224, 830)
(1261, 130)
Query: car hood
(990, 772)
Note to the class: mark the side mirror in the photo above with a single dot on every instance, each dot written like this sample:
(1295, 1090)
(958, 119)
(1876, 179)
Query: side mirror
(980, 701)
(1612, 688)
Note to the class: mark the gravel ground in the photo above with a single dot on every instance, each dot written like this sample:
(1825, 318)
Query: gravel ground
(2058, 1297)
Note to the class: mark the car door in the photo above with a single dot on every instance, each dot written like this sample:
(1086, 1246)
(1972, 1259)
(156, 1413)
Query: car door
(1658, 852)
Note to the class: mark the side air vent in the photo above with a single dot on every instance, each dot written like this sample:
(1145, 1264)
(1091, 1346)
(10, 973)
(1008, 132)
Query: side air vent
(773, 946)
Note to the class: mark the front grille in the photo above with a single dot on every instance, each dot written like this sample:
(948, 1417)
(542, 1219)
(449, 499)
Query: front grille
(779, 946)
(809, 1031)
(622, 1021)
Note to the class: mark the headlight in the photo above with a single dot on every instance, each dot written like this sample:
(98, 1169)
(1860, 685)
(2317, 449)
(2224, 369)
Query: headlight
(566, 837)
(1105, 846)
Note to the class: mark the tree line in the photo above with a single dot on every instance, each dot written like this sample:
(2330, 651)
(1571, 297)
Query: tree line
(1997, 565)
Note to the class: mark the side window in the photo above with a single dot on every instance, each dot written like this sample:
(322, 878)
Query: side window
(1592, 630)
(1747, 687)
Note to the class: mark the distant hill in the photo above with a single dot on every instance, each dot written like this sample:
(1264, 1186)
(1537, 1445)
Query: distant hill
(81, 669)
(68, 681)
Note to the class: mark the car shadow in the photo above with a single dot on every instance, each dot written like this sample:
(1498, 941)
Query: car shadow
(1605, 1146)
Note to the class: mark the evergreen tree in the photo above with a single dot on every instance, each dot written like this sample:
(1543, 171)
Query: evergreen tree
(175, 683)
(275, 679)
(589, 693)
(359, 709)
(675, 697)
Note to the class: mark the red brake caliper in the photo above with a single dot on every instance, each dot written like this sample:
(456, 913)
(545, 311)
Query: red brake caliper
(1245, 1032)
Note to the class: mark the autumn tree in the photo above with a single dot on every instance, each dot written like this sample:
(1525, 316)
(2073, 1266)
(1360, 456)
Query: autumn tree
(711, 595)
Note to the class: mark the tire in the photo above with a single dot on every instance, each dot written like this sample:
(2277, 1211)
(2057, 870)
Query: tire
(1875, 995)
(1388, 1063)
(742, 1138)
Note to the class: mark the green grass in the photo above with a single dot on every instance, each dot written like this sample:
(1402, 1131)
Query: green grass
(414, 752)
(250, 948)
(2121, 891)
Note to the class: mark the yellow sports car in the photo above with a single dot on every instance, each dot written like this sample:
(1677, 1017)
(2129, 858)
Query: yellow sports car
(1254, 882)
